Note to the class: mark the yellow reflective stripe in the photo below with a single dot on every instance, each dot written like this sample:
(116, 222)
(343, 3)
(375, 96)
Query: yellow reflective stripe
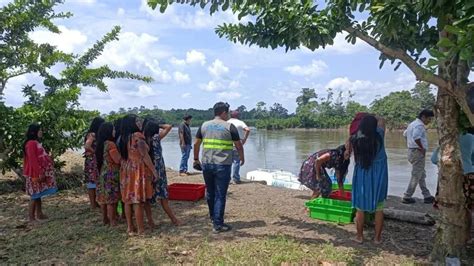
(217, 147)
(218, 141)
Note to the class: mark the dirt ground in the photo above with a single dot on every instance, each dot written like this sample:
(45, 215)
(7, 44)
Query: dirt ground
(270, 226)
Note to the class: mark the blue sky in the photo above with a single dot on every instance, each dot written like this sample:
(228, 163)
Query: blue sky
(194, 68)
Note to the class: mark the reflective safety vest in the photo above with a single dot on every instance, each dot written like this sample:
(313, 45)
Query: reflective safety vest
(217, 142)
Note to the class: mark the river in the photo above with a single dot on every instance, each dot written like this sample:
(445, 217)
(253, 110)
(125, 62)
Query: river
(286, 150)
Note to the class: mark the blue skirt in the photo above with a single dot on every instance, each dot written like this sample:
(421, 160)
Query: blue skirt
(44, 193)
(370, 186)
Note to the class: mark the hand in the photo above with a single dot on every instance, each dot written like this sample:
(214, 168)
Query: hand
(242, 161)
(197, 165)
(244, 141)
(182, 146)
(318, 176)
(422, 150)
(347, 155)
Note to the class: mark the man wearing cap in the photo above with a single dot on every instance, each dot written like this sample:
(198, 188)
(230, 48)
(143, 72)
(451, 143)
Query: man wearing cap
(244, 132)
(218, 138)
(185, 142)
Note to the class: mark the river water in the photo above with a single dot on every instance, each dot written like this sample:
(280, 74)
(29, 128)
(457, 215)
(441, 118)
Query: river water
(286, 150)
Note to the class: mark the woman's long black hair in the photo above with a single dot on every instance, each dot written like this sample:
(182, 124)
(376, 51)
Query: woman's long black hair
(31, 134)
(129, 126)
(94, 127)
(366, 142)
(118, 128)
(106, 132)
(152, 128)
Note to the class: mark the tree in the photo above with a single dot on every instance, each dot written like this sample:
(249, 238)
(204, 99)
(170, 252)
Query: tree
(307, 96)
(261, 111)
(421, 93)
(397, 108)
(278, 111)
(403, 31)
(58, 109)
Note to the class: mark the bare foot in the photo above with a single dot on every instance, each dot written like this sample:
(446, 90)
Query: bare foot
(377, 242)
(177, 222)
(359, 240)
(42, 217)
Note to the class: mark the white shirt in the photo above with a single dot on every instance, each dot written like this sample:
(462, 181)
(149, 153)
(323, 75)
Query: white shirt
(416, 130)
(240, 125)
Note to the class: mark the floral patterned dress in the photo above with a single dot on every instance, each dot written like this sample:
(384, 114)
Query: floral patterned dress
(160, 186)
(90, 165)
(108, 183)
(134, 186)
(38, 169)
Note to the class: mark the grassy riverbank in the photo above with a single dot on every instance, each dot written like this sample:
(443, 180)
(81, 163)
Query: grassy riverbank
(270, 227)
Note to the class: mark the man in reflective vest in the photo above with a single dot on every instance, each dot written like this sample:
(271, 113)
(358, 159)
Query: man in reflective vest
(218, 138)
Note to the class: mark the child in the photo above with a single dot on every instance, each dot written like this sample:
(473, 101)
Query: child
(108, 163)
(153, 136)
(38, 169)
(90, 163)
(134, 184)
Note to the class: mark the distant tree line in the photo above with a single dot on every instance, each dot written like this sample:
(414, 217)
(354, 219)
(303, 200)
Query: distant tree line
(313, 111)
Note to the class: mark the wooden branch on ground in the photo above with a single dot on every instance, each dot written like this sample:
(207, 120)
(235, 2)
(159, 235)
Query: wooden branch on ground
(409, 216)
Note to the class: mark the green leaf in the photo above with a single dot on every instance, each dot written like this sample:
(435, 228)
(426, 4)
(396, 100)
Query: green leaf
(163, 6)
(454, 30)
(445, 43)
(432, 62)
(152, 3)
(226, 5)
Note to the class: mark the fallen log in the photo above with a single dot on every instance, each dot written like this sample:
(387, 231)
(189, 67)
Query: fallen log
(409, 216)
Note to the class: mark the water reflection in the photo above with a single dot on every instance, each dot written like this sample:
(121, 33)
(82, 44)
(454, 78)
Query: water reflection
(287, 149)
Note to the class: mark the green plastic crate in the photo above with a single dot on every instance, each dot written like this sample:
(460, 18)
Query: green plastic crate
(331, 210)
(347, 187)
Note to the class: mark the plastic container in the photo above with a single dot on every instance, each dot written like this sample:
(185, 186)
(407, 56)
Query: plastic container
(347, 187)
(346, 196)
(331, 210)
(186, 191)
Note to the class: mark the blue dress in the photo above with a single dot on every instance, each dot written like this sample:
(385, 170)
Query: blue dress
(370, 186)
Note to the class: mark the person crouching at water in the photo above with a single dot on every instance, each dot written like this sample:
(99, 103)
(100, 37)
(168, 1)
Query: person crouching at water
(135, 185)
(313, 172)
(108, 163)
(90, 163)
(38, 169)
(370, 179)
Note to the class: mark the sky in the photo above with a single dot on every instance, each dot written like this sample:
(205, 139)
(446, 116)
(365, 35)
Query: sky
(193, 68)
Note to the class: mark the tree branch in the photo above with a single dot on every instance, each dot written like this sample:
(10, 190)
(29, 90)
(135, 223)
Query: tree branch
(420, 73)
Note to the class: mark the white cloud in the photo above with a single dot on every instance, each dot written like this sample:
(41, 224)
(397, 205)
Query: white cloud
(146, 91)
(84, 2)
(234, 84)
(177, 62)
(120, 12)
(316, 68)
(158, 74)
(212, 86)
(186, 95)
(217, 68)
(194, 56)
(228, 95)
(67, 41)
(181, 77)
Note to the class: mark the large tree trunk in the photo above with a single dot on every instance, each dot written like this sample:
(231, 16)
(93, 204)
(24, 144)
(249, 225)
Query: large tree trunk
(452, 225)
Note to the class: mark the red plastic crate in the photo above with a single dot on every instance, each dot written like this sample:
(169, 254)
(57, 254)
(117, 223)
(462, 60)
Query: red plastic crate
(336, 194)
(186, 191)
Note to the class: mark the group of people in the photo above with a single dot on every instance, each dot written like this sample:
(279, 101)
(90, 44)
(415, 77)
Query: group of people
(124, 163)
(370, 179)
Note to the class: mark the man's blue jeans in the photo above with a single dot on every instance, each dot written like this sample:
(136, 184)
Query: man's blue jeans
(235, 165)
(217, 179)
(183, 167)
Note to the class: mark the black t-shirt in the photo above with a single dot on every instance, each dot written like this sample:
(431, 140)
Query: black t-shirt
(234, 133)
(186, 131)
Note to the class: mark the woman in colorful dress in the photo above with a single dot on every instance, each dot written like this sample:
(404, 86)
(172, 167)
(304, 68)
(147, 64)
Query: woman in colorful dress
(38, 169)
(370, 180)
(90, 163)
(108, 163)
(135, 186)
(154, 134)
(313, 172)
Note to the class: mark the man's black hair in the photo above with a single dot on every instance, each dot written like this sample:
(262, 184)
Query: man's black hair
(220, 108)
(426, 113)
